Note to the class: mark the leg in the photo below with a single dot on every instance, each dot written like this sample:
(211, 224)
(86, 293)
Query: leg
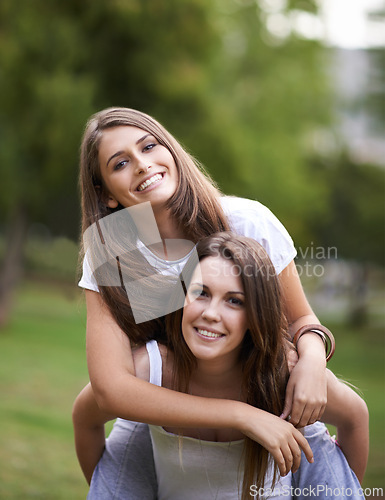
(330, 475)
(126, 470)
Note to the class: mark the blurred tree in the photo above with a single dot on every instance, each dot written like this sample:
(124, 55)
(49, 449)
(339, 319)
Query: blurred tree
(354, 223)
(238, 94)
(44, 100)
(375, 101)
(61, 61)
(270, 92)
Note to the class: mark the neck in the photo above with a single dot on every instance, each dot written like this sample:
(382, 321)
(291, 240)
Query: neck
(217, 379)
(173, 244)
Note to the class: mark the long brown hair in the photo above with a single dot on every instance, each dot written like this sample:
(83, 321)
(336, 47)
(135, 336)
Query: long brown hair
(262, 356)
(195, 205)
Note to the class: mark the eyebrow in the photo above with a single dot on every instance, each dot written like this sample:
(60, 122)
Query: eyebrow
(118, 153)
(205, 286)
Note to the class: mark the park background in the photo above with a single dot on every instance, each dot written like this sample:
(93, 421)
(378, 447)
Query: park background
(264, 99)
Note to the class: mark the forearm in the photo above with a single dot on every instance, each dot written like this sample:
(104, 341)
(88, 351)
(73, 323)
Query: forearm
(306, 390)
(119, 392)
(311, 346)
(89, 444)
(88, 422)
(347, 411)
(299, 313)
(354, 442)
(134, 399)
(306, 319)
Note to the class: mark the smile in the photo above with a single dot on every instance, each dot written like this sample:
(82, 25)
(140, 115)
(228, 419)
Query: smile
(207, 334)
(150, 181)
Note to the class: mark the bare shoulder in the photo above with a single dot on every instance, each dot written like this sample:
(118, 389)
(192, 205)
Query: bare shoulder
(167, 364)
(141, 363)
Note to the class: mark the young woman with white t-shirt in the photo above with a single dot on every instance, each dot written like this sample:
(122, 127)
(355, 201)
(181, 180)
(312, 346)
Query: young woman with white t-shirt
(128, 158)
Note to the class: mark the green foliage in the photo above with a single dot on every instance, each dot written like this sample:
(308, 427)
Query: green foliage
(374, 101)
(269, 93)
(355, 219)
(44, 101)
(207, 70)
(55, 259)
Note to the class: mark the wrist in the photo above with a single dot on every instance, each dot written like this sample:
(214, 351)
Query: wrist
(325, 338)
(246, 417)
(310, 345)
(239, 416)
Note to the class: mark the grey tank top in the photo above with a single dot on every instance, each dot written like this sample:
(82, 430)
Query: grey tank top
(191, 469)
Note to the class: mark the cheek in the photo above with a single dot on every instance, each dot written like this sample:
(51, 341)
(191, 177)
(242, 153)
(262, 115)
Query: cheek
(169, 160)
(190, 312)
(240, 324)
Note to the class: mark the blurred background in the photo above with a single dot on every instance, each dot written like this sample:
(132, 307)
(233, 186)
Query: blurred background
(281, 100)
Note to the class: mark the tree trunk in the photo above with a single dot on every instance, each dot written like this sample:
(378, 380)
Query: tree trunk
(11, 266)
(358, 314)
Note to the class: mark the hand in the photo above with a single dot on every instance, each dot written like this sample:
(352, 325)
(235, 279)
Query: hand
(306, 392)
(292, 358)
(280, 438)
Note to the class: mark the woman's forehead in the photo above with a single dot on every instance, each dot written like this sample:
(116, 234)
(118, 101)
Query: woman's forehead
(213, 268)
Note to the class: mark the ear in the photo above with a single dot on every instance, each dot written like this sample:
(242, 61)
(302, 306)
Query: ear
(105, 198)
(111, 202)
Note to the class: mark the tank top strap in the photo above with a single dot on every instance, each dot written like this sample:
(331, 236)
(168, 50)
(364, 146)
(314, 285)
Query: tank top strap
(155, 362)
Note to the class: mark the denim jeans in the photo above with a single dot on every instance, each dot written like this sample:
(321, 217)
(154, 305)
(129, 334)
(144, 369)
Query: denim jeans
(126, 470)
(330, 476)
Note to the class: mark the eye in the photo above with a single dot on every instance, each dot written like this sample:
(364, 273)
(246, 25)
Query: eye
(236, 301)
(150, 146)
(120, 165)
(197, 291)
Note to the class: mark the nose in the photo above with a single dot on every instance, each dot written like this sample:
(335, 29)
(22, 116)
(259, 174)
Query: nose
(141, 166)
(211, 312)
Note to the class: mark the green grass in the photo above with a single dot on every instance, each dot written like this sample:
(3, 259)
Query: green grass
(43, 367)
(359, 359)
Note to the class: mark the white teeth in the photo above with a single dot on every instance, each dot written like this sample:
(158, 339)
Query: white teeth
(205, 333)
(148, 182)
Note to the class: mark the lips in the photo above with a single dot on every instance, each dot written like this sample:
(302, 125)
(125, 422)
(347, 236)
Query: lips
(150, 181)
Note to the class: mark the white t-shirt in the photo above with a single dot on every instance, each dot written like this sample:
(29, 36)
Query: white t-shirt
(246, 217)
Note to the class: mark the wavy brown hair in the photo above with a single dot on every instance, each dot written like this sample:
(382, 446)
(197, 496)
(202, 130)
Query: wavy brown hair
(195, 204)
(262, 355)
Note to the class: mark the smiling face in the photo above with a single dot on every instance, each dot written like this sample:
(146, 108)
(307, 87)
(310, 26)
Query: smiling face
(135, 168)
(214, 319)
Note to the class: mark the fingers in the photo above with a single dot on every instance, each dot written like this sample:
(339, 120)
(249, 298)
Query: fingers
(292, 452)
(306, 412)
(301, 414)
(296, 453)
(316, 415)
(288, 401)
(281, 462)
(304, 445)
(321, 412)
(284, 459)
(287, 454)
